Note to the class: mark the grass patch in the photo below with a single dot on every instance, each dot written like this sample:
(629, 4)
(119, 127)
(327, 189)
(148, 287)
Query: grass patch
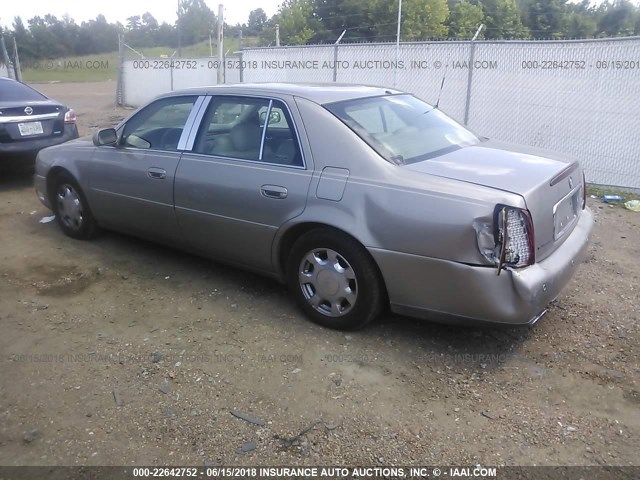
(104, 66)
(601, 190)
(87, 68)
(199, 50)
(626, 193)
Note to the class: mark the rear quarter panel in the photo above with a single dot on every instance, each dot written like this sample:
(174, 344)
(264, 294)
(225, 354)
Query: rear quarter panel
(388, 207)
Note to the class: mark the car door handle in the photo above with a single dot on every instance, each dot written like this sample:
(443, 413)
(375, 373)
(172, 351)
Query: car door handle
(274, 191)
(157, 173)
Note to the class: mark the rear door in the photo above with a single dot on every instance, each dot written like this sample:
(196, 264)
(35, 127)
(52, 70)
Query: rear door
(131, 184)
(245, 176)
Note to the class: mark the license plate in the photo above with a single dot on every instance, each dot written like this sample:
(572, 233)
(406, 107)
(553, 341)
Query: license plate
(31, 128)
(565, 212)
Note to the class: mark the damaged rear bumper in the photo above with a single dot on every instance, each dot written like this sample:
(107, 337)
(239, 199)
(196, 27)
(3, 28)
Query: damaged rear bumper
(452, 292)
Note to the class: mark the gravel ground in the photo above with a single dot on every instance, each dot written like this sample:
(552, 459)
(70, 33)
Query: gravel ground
(118, 351)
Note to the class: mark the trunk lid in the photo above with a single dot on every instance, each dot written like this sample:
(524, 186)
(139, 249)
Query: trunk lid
(550, 184)
(30, 119)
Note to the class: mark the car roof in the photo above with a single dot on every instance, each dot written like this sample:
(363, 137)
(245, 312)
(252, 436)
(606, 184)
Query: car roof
(321, 93)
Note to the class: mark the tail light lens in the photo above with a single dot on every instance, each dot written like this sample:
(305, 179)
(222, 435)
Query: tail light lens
(70, 116)
(514, 237)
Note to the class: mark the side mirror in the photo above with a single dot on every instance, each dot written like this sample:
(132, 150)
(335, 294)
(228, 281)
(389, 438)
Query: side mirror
(106, 136)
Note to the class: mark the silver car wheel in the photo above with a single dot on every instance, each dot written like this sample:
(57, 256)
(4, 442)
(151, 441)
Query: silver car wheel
(328, 282)
(69, 206)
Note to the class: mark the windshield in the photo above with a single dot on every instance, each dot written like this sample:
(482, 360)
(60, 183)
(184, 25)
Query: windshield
(16, 91)
(402, 128)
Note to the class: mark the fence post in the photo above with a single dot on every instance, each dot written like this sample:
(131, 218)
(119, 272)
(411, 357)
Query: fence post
(120, 80)
(220, 76)
(5, 59)
(16, 61)
(472, 53)
(335, 56)
(240, 55)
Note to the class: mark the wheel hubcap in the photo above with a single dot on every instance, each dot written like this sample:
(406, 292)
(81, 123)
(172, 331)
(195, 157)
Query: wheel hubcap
(69, 207)
(328, 282)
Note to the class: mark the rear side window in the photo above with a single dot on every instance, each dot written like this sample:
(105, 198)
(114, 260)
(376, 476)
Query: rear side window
(402, 128)
(249, 128)
(11, 91)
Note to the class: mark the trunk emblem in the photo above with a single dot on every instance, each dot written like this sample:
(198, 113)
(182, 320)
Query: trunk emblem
(570, 182)
(28, 110)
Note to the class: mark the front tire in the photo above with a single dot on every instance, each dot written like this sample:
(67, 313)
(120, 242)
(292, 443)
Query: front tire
(71, 208)
(334, 280)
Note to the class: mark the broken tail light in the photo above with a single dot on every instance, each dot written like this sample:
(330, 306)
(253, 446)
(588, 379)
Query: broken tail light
(514, 239)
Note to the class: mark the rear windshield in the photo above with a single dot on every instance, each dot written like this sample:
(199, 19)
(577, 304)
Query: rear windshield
(16, 91)
(402, 128)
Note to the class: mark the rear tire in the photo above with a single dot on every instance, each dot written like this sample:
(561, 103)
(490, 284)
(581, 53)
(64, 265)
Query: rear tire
(71, 208)
(334, 280)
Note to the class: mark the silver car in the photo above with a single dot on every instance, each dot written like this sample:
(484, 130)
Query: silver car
(359, 198)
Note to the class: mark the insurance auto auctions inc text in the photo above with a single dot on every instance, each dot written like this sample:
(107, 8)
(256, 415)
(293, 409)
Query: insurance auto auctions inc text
(367, 64)
(355, 472)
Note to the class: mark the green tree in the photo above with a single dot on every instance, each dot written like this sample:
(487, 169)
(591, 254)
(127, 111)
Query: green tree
(465, 19)
(423, 19)
(98, 36)
(579, 20)
(358, 17)
(257, 21)
(295, 21)
(46, 37)
(577, 25)
(502, 20)
(196, 20)
(546, 18)
(133, 23)
(143, 31)
(616, 18)
(23, 39)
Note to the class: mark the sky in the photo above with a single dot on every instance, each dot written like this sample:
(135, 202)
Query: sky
(235, 11)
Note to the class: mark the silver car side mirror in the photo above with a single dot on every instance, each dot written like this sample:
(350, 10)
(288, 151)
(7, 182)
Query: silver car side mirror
(106, 136)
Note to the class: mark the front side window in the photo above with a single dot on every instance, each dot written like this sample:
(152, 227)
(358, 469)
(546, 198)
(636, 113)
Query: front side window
(249, 128)
(159, 126)
(402, 128)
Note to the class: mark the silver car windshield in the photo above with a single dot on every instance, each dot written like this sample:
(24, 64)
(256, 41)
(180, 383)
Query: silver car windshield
(402, 128)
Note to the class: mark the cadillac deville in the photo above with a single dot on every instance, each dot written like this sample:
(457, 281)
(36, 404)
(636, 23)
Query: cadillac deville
(358, 198)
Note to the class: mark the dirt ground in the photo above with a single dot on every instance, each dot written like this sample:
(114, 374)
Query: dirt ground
(118, 351)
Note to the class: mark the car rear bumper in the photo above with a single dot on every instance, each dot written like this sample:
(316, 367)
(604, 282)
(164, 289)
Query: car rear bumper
(25, 151)
(457, 293)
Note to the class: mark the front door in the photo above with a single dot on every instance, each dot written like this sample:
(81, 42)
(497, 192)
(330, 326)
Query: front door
(131, 184)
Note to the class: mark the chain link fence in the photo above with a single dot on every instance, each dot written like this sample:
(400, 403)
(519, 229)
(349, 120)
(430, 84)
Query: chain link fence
(580, 97)
(9, 61)
(140, 78)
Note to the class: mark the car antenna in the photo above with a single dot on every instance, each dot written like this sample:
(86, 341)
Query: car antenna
(444, 75)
